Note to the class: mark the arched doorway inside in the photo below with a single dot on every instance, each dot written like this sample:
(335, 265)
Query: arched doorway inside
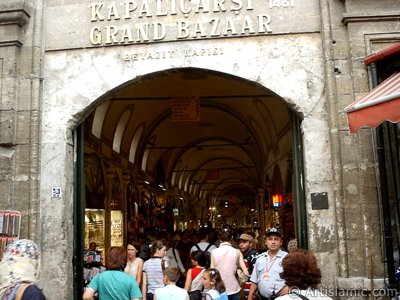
(185, 149)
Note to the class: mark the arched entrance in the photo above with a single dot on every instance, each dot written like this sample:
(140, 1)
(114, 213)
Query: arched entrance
(188, 148)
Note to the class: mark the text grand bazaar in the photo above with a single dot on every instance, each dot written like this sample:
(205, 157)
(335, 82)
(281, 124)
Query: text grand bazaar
(133, 22)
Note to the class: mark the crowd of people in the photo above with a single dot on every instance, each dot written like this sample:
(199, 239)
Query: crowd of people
(226, 264)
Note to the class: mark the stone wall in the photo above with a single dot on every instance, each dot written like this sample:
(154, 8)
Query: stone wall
(20, 87)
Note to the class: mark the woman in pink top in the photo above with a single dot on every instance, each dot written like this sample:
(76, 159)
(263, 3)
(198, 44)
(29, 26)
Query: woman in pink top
(226, 260)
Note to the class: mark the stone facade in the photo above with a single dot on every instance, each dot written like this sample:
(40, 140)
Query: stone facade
(52, 72)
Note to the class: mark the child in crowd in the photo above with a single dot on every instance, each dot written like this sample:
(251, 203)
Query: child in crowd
(170, 291)
(214, 284)
(194, 278)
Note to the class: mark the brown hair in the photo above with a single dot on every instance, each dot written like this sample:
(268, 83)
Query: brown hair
(214, 275)
(157, 245)
(172, 273)
(116, 258)
(300, 269)
(135, 244)
(226, 233)
(200, 257)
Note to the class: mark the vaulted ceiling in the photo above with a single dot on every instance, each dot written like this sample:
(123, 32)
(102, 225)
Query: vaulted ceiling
(241, 130)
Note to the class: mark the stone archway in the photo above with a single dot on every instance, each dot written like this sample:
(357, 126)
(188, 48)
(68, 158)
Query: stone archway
(77, 79)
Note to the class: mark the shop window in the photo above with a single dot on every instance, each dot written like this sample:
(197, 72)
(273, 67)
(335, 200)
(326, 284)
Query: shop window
(116, 228)
(94, 228)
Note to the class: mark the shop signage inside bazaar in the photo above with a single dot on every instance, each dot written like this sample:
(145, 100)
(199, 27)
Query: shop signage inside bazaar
(144, 21)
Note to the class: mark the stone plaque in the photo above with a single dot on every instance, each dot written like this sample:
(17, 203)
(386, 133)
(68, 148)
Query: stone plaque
(319, 201)
(130, 22)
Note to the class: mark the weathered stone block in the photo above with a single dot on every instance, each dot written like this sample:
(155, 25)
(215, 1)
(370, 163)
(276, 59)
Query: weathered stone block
(23, 127)
(360, 78)
(22, 168)
(354, 221)
(6, 127)
(344, 84)
(356, 262)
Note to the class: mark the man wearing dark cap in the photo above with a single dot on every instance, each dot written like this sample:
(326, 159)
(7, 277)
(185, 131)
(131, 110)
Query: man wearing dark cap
(267, 269)
(246, 245)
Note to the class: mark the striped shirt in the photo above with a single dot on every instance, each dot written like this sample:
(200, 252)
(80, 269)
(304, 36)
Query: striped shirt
(154, 273)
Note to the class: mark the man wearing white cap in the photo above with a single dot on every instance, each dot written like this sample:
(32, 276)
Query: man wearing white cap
(266, 272)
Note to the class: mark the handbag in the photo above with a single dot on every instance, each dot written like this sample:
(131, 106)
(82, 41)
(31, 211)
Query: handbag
(241, 277)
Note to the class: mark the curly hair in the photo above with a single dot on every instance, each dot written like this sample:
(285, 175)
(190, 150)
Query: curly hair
(300, 269)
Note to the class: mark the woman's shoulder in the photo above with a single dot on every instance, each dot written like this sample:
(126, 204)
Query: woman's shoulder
(139, 260)
(33, 292)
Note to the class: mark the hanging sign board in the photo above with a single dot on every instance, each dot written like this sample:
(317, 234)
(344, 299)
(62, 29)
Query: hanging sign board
(176, 212)
(185, 109)
(10, 222)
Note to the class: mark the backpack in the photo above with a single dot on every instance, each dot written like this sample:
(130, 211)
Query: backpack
(207, 254)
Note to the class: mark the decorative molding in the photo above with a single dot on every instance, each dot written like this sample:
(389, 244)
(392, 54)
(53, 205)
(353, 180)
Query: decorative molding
(370, 16)
(17, 17)
(14, 14)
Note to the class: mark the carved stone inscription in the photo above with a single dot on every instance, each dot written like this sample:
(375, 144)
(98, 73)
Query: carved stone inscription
(186, 52)
(145, 21)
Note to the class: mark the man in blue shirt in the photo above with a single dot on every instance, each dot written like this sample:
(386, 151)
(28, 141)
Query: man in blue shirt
(268, 266)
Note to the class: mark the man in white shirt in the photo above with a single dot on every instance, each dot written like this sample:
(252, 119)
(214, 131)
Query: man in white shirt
(204, 241)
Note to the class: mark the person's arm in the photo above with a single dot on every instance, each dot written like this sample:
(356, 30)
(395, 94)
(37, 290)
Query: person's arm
(188, 281)
(283, 291)
(88, 294)
(253, 289)
(139, 273)
(179, 261)
(242, 265)
(212, 264)
(144, 286)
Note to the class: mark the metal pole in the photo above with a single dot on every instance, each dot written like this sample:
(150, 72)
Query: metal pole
(78, 215)
(299, 203)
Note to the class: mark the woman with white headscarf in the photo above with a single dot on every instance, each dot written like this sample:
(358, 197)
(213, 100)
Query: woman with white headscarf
(19, 271)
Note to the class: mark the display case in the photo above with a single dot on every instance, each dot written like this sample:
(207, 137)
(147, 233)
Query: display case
(117, 228)
(94, 228)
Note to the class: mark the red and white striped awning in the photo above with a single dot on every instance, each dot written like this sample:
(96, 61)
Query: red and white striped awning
(378, 105)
